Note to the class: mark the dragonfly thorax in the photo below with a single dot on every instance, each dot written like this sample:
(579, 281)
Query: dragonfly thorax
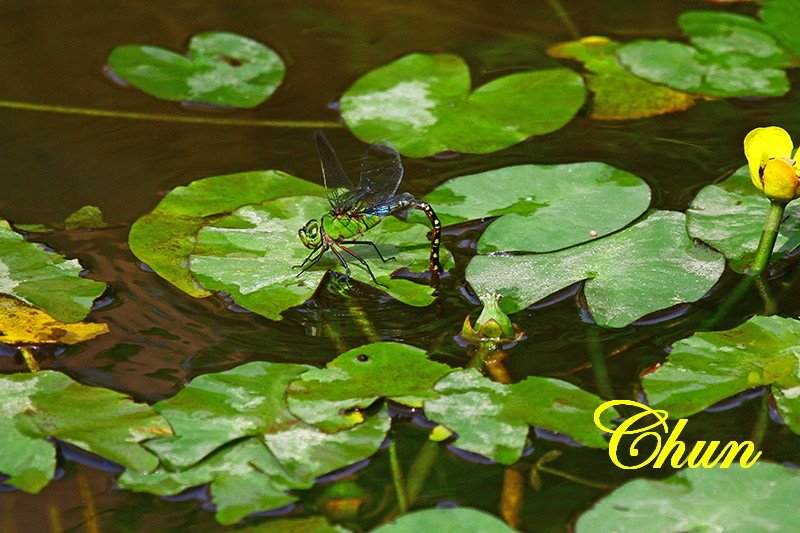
(310, 234)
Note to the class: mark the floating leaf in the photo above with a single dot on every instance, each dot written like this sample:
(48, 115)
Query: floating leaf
(618, 94)
(443, 520)
(422, 103)
(780, 18)
(44, 279)
(233, 430)
(24, 324)
(87, 217)
(492, 419)
(732, 55)
(327, 396)
(711, 366)
(537, 204)
(309, 524)
(251, 254)
(47, 404)
(165, 237)
(221, 68)
(730, 217)
(649, 266)
(761, 498)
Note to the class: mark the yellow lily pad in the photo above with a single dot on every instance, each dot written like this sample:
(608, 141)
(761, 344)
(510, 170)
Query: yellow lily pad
(21, 323)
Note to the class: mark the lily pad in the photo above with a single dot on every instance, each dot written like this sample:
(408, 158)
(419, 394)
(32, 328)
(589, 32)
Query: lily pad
(618, 270)
(44, 279)
(87, 217)
(308, 524)
(165, 237)
(493, 419)
(443, 520)
(251, 254)
(537, 204)
(730, 55)
(37, 407)
(730, 217)
(618, 94)
(735, 500)
(24, 324)
(780, 18)
(711, 366)
(327, 397)
(233, 430)
(423, 104)
(221, 68)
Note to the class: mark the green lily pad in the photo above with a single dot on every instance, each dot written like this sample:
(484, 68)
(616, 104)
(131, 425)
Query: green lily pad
(443, 520)
(537, 204)
(251, 254)
(780, 18)
(423, 105)
(618, 94)
(47, 404)
(327, 397)
(165, 237)
(221, 68)
(711, 366)
(620, 285)
(730, 217)
(493, 419)
(308, 524)
(87, 217)
(731, 55)
(44, 279)
(234, 431)
(734, 500)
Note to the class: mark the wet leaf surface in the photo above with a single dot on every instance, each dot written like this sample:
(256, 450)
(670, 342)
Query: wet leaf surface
(24, 324)
(357, 378)
(780, 18)
(423, 104)
(620, 284)
(736, 500)
(730, 217)
(47, 404)
(492, 419)
(446, 521)
(709, 367)
(220, 68)
(44, 279)
(537, 204)
(618, 94)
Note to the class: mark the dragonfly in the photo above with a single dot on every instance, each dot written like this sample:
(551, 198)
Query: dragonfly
(355, 210)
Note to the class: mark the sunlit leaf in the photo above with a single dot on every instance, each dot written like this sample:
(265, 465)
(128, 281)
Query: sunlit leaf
(711, 366)
(165, 237)
(730, 55)
(251, 254)
(735, 500)
(647, 267)
(220, 68)
(730, 217)
(444, 520)
(424, 104)
(327, 396)
(44, 279)
(37, 407)
(543, 207)
(24, 324)
(618, 94)
(493, 419)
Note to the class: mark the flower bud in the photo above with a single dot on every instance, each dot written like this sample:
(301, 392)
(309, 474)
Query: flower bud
(780, 180)
(492, 324)
(769, 152)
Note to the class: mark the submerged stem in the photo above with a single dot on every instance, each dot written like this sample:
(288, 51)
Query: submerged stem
(565, 19)
(762, 421)
(398, 479)
(421, 469)
(511, 497)
(598, 358)
(30, 359)
(768, 237)
(576, 479)
(157, 117)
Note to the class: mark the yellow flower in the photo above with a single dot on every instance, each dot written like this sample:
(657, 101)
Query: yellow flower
(772, 169)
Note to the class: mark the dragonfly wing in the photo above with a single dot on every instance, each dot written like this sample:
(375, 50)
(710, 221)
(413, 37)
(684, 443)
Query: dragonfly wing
(381, 173)
(338, 186)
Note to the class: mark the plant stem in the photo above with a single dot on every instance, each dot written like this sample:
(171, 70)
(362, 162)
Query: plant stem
(562, 14)
(770, 305)
(768, 236)
(132, 115)
(363, 322)
(421, 469)
(399, 482)
(576, 479)
(511, 497)
(30, 359)
(762, 421)
(598, 358)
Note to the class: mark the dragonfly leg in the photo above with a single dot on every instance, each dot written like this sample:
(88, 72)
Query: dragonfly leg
(308, 258)
(361, 260)
(374, 246)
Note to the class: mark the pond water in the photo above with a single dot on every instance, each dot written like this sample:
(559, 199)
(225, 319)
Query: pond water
(52, 164)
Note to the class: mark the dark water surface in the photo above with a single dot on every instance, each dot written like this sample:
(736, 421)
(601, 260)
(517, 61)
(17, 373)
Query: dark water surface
(51, 164)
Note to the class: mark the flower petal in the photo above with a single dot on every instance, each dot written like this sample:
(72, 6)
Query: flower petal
(763, 144)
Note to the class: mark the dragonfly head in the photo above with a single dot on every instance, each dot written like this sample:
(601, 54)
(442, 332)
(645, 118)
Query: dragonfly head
(310, 234)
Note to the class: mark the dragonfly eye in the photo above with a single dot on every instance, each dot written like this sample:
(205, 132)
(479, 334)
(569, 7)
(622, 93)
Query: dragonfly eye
(309, 234)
